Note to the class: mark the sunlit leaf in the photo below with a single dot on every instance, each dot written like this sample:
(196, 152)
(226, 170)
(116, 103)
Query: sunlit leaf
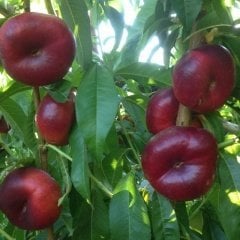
(226, 195)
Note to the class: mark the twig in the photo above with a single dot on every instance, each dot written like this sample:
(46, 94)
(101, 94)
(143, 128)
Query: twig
(59, 151)
(49, 7)
(184, 116)
(26, 5)
(42, 143)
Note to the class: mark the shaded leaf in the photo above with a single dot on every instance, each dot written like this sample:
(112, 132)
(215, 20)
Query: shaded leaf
(75, 13)
(14, 115)
(147, 71)
(99, 218)
(187, 11)
(79, 168)
(164, 221)
(128, 213)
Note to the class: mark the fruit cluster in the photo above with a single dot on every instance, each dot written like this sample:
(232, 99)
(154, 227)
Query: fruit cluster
(180, 161)
(37, 49)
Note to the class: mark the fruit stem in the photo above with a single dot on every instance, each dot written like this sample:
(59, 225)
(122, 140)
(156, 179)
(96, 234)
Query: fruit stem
(50, 234)
(42, 148)
(137, 156)
(49, 7)
(184, 116)
(26, 5)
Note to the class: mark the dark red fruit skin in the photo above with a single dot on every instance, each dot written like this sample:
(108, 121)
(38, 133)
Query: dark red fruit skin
(180, 162)
(4, 127)
(36, 49)
(161, 110)
(54, 120)
(29, 198)
(204, 78)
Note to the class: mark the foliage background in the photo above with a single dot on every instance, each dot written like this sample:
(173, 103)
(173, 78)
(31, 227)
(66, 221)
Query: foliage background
(105, 195)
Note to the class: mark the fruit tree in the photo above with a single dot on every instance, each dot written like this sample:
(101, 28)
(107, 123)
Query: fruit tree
(119, 120)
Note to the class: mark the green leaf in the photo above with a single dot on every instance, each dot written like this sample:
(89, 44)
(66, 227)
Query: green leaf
(96, 107)
(29, 130)
(99, 218)
(187, 11)
(130, 53)
(81, 213)
(211, 227)
(225, 197)
(113, 166)
(222, 12)
(79, 169)
(128, 213)
(14, 115)
(164, 221)
(146, 11)
(213, 123)
(117, 22)
(75, 13)
(136, 112)
(14, 88)
(147, 71)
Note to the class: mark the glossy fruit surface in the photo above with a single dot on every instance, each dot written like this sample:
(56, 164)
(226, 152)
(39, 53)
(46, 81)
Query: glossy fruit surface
(55, 119)
(36, 49)
(180, 162)
(162, 110)
(203, 79)
(4, 127)
(29, 198)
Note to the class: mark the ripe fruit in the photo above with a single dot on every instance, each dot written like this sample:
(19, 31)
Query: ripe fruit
(29, 198)
(4, 127)
(162, 110)
(180, 162)
(204, 78)
(36, 49)
(55, 119)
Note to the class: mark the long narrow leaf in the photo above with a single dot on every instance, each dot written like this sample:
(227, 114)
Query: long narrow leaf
(96, 107)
